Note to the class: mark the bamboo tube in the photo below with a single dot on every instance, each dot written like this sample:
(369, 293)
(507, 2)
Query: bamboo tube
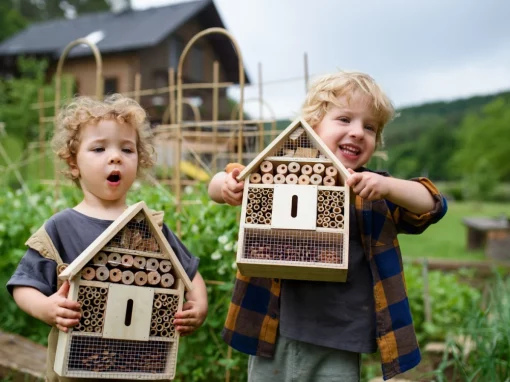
(267, 221)
(88, 273)
(86, 322)
(326, 212)
(255, 178)
(306, 169)
(304, 179)
(266, 167)
(139, 262)
(159, 320)
(165, 266)
(86, 314)
(115, 275)
(86, 302)
(100, 259)
(249, 220)
(282, 169)
(249, 211)
(331, 171)
(329, 181)
(102, 273)
(163, 297)
(332, 224)
(167, 280)
(102, 306)
(339, 218)
(158, 304)
(316, 179)
(164, 333)
(326, 219)
(267, 178)
(152, 264)
(61, 268)
(89, 329)
(337, 210)
(114, 258)
(103, 291)
(140, 278)
(291, 179)
(294, 167)
(318, 168)
(320, 198)
(153, 278)
(279, 179)
(127, 261)
(128, 277)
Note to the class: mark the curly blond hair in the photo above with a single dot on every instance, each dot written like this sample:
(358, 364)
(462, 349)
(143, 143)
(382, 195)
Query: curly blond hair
(325, 91)
(85, 110)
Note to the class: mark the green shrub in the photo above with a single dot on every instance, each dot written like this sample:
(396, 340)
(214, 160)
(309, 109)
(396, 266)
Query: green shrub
(483, 353)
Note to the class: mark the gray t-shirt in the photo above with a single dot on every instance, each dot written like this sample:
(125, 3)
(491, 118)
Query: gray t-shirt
(71, 233)
(335, 315)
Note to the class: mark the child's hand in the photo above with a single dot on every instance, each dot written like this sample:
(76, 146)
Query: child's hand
(62, 312)
(368, 185)
(231, 189)
(190, 318)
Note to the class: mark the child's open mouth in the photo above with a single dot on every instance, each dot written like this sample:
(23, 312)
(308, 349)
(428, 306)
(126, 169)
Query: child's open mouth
(114, 178)
(350, 150)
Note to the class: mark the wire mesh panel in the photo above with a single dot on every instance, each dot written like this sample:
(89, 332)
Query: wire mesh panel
(297, 145)
(95, 357)
(307, 247)
(136, 235)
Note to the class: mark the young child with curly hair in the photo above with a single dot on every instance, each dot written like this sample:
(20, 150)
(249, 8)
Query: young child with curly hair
(105, 145)
(316, 331)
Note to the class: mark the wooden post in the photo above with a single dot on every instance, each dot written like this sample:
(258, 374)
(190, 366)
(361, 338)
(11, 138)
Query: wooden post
(426, 293)
(42, 135)
(261, 110)
(306, 73)
(138, 83)
(216, 75)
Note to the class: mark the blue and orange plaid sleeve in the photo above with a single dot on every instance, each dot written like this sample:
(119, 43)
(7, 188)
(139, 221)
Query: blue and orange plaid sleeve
(410, 223)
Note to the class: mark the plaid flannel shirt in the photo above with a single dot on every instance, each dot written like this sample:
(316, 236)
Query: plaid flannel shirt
(253, 317)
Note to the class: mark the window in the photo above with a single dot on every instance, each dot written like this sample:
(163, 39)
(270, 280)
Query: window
(196, 63)
(111, 85)
(176, 48)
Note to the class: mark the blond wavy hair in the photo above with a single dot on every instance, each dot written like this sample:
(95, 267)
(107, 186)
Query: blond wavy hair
(325, 91)
(83, 111)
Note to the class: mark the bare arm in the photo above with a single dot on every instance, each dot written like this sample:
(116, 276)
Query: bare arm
(408, 194)
(224, 188)
(215, 187)
(56, 310)
(194, 310)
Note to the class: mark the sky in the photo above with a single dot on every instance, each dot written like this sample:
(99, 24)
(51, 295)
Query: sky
(418, 51)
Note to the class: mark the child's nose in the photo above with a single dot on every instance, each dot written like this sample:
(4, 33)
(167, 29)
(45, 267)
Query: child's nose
(357, 129)
(114, 158)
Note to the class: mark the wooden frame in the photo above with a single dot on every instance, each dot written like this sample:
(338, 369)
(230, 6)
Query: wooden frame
(122, 318)
(330, 263)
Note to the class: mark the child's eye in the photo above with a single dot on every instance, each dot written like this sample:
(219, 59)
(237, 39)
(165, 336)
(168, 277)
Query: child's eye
(370, 127)
(98, 149)
(128, 151)
(344, 119)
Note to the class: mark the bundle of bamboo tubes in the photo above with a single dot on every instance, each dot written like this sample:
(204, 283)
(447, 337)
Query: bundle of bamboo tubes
(93, 306)
(295, 173)
(330, 209)
(128, 269)
(163, 312)
(259, 207)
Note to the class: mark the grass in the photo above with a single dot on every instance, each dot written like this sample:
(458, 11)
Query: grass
(447, 239)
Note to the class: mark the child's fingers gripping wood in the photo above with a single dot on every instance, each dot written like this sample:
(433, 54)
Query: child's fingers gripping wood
(66, 312)
(232, 190)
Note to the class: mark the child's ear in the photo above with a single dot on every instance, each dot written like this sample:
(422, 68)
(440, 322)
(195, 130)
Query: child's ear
(75, 171)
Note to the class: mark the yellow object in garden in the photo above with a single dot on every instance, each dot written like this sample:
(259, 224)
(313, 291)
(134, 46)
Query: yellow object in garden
(193, 171)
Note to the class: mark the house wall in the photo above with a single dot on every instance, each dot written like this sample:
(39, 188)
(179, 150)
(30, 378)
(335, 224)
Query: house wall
(120, 66)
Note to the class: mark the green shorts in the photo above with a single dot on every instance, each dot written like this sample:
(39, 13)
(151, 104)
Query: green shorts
(296, 361)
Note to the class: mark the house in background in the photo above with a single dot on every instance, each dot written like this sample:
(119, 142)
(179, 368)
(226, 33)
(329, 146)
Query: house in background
(148, 41)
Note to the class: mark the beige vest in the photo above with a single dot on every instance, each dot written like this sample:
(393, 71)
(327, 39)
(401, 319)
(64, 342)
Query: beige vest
(42, 243)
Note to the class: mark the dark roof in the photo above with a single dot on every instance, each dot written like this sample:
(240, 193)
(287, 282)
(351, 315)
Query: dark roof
(124, 31)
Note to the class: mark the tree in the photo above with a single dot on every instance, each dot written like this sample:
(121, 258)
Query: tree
(42, 10)
(11, 21)
(483, 157)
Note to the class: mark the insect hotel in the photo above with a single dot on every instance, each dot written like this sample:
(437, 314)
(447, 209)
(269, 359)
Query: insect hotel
(130, 284)
(295, 212)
